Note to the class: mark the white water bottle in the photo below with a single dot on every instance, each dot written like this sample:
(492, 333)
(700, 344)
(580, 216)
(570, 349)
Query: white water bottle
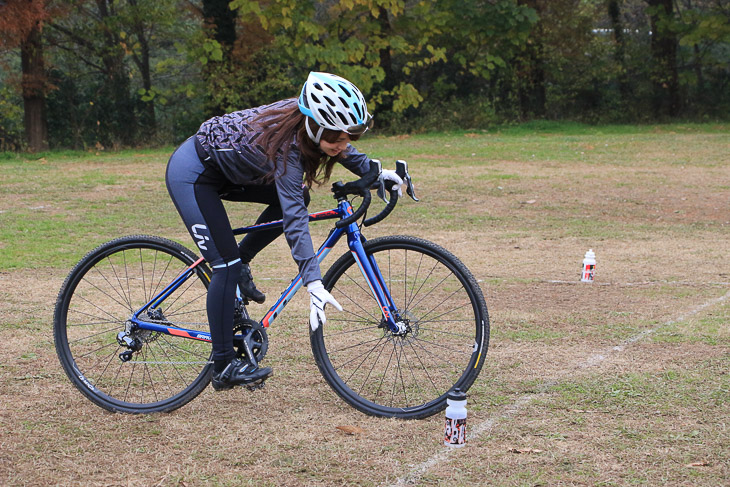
(589, 266)
(455, 428)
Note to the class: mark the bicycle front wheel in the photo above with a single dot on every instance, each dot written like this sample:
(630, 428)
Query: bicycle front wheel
(94, 305)
(405, 376)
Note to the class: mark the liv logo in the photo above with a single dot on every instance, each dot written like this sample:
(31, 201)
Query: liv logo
(200, 238)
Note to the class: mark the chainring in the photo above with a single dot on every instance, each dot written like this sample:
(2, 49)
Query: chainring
(255, 336)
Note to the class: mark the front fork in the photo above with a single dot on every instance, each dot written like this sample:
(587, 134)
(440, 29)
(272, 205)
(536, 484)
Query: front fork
(376, 282)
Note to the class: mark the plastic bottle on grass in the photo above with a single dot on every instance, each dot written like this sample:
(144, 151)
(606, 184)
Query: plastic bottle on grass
(589, 266)
(455, 428)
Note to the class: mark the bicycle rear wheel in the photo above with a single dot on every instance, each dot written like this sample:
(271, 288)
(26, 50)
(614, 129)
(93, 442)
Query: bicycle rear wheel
(406, 376)
(93, 306)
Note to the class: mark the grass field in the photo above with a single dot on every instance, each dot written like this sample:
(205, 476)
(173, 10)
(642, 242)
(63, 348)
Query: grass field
(625, 381)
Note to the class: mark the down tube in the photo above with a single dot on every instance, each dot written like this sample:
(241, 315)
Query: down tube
(374, 278)
(296, 283)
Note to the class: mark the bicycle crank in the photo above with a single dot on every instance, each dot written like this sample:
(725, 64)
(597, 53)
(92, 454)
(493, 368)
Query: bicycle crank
(250, 341)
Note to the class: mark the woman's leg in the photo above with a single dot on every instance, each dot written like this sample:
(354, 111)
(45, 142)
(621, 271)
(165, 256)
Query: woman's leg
(255, 242)
(194, 191)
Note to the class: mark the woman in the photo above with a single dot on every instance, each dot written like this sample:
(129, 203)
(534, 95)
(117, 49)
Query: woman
(271, 155)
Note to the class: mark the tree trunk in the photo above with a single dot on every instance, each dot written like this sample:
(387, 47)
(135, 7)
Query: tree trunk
(531, 91)
(222, 21)
(386, 61)
(33, 85)
(147, 118)
(220, 24)
(619, 54)
(665, 78)
(116, 88)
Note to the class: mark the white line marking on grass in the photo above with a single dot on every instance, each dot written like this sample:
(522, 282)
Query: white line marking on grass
(510, 410)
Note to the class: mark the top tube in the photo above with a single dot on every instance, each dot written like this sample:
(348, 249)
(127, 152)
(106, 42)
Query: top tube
(313, 217)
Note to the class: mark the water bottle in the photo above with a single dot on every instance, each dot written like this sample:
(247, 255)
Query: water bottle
(589, 266)
(455, 429)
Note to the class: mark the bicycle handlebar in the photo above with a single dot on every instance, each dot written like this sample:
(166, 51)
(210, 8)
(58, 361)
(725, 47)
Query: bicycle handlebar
(359, 187)
(386, 211)
(366, 198)
(365, 184)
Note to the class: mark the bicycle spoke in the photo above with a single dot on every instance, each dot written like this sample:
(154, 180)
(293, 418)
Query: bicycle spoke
(158, 372)
(125, 305)
(92, 336)
(406, 374)
(113, 318)
(423, 366)
(350, 332)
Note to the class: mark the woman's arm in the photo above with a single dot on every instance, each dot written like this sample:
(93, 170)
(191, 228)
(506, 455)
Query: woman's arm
(288, 180)
(355, 161)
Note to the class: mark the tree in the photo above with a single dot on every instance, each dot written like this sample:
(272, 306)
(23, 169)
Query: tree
(21, 25)
(619, 38)
(349, 38)
(219, 26)
(703, 31)
(532, 94)
(92, 34)
(664, 73)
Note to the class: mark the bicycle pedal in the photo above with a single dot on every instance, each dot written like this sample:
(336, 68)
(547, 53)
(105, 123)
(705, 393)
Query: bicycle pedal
(255, 385)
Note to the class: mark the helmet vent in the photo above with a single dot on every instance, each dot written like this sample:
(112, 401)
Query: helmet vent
(326, 116)
(333, 103)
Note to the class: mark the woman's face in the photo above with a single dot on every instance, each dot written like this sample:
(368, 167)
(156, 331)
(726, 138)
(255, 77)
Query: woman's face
(333, 149)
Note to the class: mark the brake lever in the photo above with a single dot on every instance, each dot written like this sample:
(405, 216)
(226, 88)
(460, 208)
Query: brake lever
(401, 169)
(382, 192)
(380, 184)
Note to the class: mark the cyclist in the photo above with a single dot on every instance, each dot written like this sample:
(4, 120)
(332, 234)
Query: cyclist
(271, 155)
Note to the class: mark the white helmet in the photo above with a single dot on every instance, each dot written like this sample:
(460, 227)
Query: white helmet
(335, 104)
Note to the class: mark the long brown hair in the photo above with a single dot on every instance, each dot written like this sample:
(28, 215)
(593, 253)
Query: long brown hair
(281, 128)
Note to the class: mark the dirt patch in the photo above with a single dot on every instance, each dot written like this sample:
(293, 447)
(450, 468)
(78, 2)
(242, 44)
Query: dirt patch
(649, 413)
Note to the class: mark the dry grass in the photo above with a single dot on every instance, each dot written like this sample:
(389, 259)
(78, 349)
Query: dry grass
(520, 213)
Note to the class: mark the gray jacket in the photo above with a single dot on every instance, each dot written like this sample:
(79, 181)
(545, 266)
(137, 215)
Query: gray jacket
(230, 143)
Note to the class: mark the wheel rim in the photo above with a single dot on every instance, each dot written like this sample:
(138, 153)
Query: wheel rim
(102, 300)
(394, 374)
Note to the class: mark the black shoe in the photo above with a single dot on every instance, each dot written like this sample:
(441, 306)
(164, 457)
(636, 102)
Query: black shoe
(239, 373)
(248, 288)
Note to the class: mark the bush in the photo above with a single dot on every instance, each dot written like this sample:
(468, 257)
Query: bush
(11, 120)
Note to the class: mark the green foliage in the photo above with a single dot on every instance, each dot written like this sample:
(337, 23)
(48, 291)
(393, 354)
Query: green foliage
(398, 56)
(344, 37)
(11, 120)
(138, 72)
(102, 98)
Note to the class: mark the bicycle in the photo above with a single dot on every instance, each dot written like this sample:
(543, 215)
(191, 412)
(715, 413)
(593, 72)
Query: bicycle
(131, 332)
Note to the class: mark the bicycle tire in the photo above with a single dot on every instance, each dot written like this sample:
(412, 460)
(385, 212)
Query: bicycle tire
(93, 306)
(406, 377)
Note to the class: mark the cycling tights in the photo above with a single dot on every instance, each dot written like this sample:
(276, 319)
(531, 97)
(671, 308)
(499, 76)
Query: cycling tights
(197, 192)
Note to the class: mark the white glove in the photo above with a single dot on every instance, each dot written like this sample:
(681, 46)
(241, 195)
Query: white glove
(319, 296)
(390, 175)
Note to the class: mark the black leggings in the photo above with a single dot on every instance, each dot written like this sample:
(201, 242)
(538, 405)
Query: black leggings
(197, 192)
(255, 242)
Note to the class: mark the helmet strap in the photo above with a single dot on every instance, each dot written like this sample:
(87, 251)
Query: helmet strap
(315, 138)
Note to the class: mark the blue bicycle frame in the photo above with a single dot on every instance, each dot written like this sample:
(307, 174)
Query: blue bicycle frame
(355, 241)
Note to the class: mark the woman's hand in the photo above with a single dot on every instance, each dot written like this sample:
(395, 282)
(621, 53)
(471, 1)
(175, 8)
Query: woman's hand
(319, 296)
(390, 175)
